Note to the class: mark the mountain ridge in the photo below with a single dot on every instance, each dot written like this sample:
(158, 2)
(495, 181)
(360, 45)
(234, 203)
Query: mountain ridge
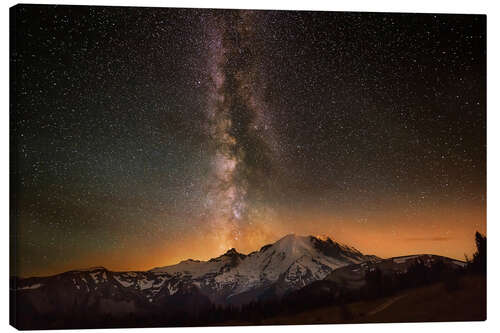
(292, 261)
(287, 266)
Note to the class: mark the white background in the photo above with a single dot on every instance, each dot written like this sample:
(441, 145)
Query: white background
(491, 8)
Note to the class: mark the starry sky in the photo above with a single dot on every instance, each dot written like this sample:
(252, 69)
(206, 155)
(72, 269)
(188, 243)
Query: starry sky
(145, 136)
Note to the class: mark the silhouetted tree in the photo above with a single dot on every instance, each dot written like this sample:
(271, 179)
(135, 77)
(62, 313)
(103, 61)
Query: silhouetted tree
(478, 263)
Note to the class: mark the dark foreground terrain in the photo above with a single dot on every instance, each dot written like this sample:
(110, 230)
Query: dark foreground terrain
(437, 302)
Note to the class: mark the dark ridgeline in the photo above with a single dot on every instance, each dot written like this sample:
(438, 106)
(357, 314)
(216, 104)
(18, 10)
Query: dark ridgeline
(54, 302)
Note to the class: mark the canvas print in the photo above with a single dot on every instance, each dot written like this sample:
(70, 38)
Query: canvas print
(214, 167)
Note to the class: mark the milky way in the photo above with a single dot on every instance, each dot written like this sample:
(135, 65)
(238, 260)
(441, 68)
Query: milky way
(237, 127)
(142, 137)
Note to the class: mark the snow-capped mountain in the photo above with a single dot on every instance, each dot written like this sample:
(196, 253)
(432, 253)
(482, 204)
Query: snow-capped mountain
(186, 290)
(292, 262)
(288, 264)
(294, 269)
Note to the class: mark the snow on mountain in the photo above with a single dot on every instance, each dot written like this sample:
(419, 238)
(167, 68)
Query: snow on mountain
(292, 257)
(197, 268)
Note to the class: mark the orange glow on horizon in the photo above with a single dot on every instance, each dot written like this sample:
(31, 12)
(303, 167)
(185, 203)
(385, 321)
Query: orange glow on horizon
(448, 231)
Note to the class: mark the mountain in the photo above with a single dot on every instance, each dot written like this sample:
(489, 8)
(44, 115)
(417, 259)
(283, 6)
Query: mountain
(354, 276)
(232, 278)
(375, 278)
(297, 272)
(290, 263)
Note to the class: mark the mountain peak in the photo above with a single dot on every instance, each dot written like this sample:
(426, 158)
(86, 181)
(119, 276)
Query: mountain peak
(293, 237)
(231, 254)
(231, 251)
(294, 244)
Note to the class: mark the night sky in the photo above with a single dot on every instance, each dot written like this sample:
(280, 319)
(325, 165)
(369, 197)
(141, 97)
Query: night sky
(142, 137)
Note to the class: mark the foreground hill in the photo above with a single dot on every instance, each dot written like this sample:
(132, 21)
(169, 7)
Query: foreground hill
(435, 302)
